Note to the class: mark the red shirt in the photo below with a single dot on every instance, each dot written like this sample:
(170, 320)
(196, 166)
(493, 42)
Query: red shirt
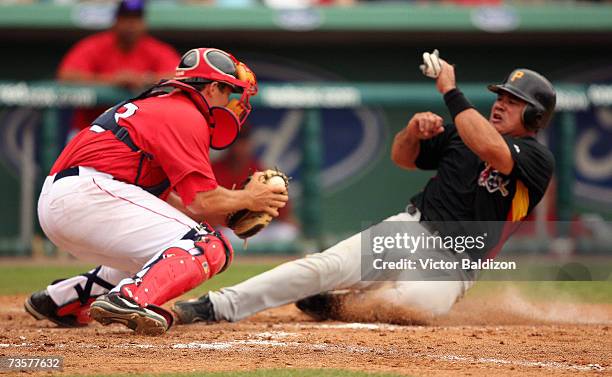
(168, 127)
(99, 54)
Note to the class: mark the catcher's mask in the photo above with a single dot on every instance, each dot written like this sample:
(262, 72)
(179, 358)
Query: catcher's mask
(534, 89)
(205, 65)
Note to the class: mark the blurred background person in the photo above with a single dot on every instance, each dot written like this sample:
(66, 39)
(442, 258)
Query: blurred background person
(125, 56)
(301, 4)
(232, 169)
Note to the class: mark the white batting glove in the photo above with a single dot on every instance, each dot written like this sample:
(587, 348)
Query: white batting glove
(431, 66)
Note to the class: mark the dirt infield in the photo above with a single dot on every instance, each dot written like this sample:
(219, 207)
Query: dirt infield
(477, 339)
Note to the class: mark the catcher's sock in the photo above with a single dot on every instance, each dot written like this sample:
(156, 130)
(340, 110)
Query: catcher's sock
(88, 285)
(196, 310)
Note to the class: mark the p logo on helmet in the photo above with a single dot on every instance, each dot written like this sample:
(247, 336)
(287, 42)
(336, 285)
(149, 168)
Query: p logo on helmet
(534, 89)
(517, 75)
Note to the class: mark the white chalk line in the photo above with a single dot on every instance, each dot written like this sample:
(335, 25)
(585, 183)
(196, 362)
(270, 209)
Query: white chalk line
(276, 334)
(352, 326)
(209, 345)
(523, 363)
(267, 339)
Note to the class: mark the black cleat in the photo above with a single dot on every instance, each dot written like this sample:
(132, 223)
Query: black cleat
(196, 310)
(116, 308)
(40, 306)
(322, 306)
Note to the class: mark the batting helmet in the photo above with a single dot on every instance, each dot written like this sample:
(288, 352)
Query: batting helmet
(202, 65)
(534, 89)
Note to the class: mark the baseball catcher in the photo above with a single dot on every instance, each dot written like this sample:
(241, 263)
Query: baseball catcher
(490, 171)
(136, 194)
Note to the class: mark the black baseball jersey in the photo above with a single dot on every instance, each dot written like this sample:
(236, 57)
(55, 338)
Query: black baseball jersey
(468, 189)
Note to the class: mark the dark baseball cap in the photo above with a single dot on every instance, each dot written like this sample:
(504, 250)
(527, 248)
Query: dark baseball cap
(130, 8)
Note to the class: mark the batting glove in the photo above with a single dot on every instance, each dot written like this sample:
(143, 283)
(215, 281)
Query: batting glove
(431, 66)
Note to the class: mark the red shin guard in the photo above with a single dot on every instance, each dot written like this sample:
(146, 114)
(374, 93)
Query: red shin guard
(177, 271)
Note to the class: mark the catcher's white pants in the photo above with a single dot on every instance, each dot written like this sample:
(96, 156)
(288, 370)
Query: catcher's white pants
(106, 222)
(338, 267)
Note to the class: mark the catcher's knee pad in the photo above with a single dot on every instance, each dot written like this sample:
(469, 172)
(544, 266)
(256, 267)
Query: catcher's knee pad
(181, 268)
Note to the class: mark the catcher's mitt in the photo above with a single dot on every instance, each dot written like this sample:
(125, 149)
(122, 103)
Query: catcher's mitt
(246, 223)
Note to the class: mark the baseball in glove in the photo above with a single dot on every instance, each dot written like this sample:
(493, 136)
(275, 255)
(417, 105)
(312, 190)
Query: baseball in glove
(246, 223)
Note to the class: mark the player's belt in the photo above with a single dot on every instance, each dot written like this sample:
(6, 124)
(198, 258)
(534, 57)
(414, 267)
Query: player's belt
(413, 210)
(70, 172)
(156, 190)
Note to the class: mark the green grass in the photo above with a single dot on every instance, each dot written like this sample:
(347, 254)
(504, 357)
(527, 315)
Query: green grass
(567, 291)
(29, 278)
(24, 279)
(264, 373)
(546, 269)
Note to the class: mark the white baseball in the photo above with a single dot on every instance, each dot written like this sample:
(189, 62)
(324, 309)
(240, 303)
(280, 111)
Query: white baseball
(276, 181)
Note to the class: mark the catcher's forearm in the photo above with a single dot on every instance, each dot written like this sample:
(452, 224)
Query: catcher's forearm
(218, 203)
(482, 139)
(405, 148)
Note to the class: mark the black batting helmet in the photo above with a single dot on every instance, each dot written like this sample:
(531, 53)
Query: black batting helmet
(534, 89)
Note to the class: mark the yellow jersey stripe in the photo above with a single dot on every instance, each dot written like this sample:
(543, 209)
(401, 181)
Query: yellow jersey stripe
(520, 202)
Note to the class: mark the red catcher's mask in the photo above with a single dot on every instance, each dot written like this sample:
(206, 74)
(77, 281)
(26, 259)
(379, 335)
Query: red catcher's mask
(204, 65)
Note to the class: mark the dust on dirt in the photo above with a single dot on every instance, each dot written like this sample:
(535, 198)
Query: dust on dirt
(507, 307)
(478, 338)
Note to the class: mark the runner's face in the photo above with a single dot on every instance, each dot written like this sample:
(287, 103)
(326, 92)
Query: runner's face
(506, 115)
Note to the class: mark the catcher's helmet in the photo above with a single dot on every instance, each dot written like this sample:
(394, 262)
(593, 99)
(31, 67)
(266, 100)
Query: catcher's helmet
(534, 89)
(202, 65)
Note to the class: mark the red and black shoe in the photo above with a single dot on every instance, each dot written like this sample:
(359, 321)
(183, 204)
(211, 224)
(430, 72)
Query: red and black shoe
(73, 314)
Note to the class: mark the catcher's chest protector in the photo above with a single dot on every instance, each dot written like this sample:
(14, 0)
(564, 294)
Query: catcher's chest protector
(108, 121)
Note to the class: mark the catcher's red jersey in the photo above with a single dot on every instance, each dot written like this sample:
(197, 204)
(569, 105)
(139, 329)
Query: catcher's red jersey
(169, 128)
